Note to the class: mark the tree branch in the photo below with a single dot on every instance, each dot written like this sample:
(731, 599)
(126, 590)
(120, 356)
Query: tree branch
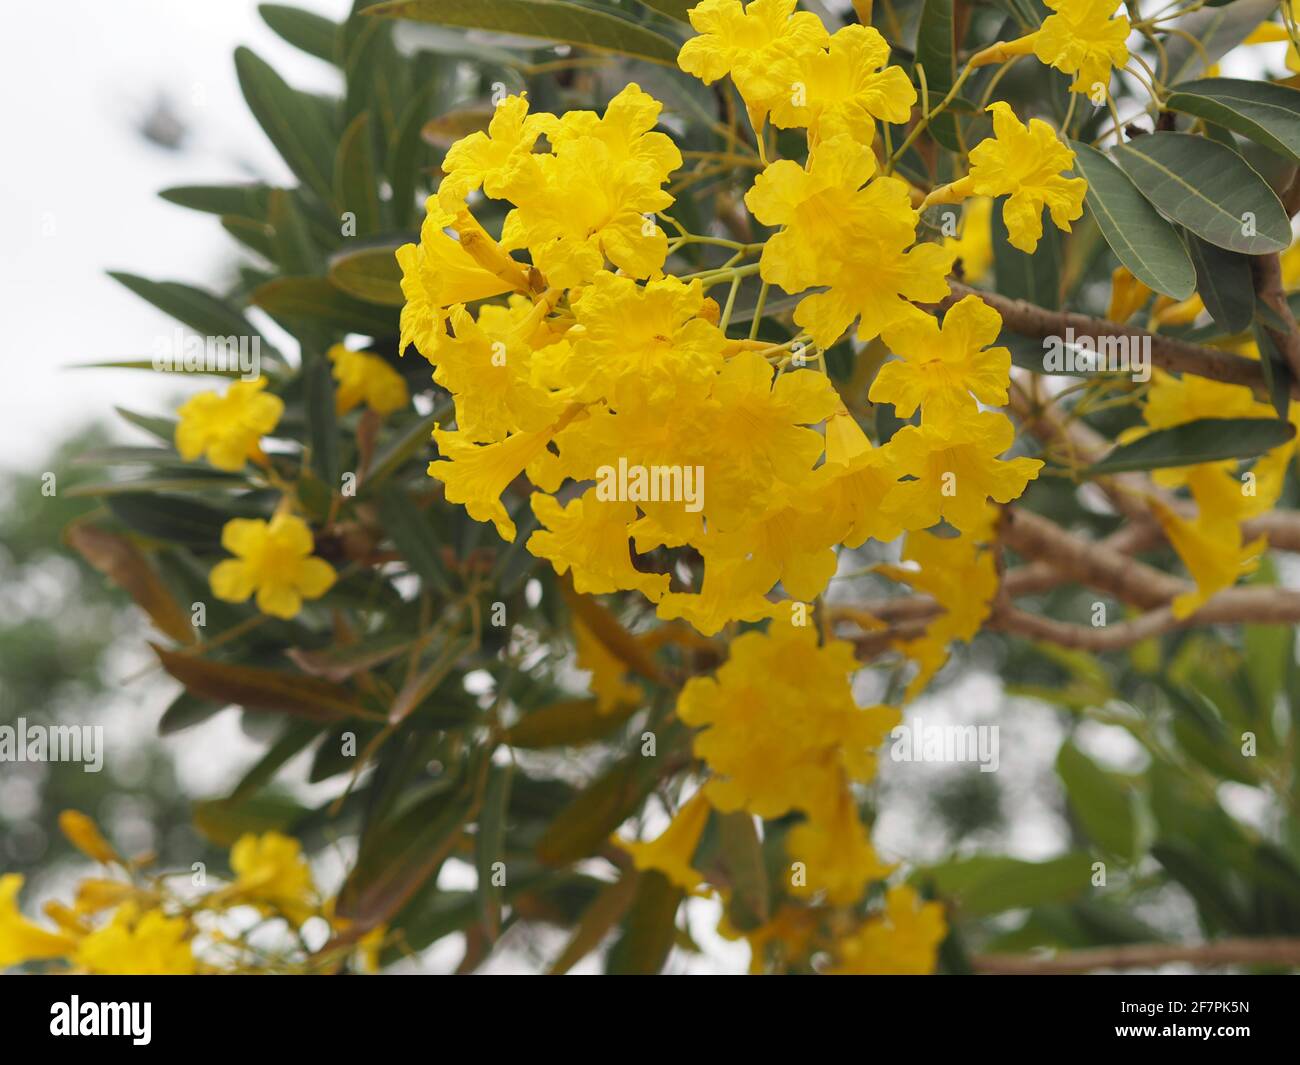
(1272, 952)
(1168, 353)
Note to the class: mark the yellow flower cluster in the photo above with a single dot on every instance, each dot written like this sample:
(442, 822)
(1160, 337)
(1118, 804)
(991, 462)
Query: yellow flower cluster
(145, 924)
(616, 390)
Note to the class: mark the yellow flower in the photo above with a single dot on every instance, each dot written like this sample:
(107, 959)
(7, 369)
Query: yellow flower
(902, 941)
(487, 365)
(492, 160)
(791, 931)
(754, 44)
(1210, 546)
(437, 273)
(595, 195)
(1128, 295)
(1082, 39)
(734, 588)
(835, 853)
(1026, 164)
(956, 470)
(83, 834)
(974, 246)
(852, 485)
(609, 681)
(135, 944)
(368, 379)
(274, 560)
(942, 366)
(825, 212)
(962, 578)
(476, 476)
(272, 874)
(670, 853)
(781, 728)
(590, 537)
(228, 428)
(638, 342)
(22, 940)
(841, 91)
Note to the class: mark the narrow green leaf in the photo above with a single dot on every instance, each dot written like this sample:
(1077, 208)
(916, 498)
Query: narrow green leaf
(305, 30)
(1215, 31)
(1265, 113)
(570, 723)
(403, 447)
(294, 122)
(294, 739)
(356, 187)
(1208, 188)
(742, 857)
(1103, 806)
(246, 200)
(1140, 238)
(172, 518)
(490, 845)
(186, 711)
(584, 825)
(406, 152)
(988, 884)
(316, 299)
(370, 274)
(322, 421)
(201, 311)
(293, 248)
(1190, 444)
(675, 9)
(550, 20)
(413, 533)
(1037, 277)
(1224, 283)
(935, 53)
(648, 929)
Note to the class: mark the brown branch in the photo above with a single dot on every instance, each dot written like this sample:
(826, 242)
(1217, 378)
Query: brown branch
(1270, 952)
(1267, 273)
(1168, 353)
(1261, 605)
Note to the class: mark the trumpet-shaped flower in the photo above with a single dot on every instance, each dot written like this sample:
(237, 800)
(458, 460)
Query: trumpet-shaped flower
(368, 379)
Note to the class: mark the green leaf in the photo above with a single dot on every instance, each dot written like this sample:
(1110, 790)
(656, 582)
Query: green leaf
(411, 530)
(405, 446)
(260, 689)
(316, 299)
(675, 9)
(322, 421)
(987, 884)
(305, 30)
(570, 723)
(1208, 188)
(1037, 277)
(934, 53)
(649, 928)
(294, 739)
(293, 248)
(1140, 238)
(252, 234)
(1216, 30)
(224, 822)
(1190, 444)
(1103, 806)
(742, 859)
(201, 311)
(1277, 371)
(1265, 113)
(246, 200)
(293, 121)
(186, 711)
(551, 20)
(585, 825)
(1225, 285)
(340, 663)
(369, 274)
(405, 154)
(356, 188)
(163, 428)
(171, 518)
(490, 844)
